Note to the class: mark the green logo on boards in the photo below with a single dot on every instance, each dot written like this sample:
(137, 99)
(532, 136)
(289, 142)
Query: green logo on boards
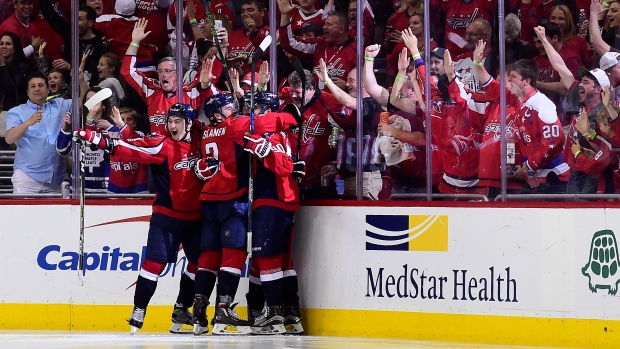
(602, 268)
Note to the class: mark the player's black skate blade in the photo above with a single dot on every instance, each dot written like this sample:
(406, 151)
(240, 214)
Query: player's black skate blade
(269, 322)
(182, 321)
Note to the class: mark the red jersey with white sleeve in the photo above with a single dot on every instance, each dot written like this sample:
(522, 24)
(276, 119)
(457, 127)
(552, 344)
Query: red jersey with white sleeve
(458, 141)
(128, 176)
(339, 59)
(300, 19)
(459, 14)
(243, 43)
(172, 165)
(117, 30)
(225, 143)
(541, 136)
(274, 184)
(158, 101)
(315, 135)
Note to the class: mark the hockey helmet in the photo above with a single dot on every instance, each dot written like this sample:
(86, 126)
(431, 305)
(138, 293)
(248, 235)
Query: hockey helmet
(263, 98)
(214, 104)
(184, 111)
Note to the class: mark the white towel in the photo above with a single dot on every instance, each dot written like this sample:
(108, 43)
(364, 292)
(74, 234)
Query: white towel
(390, 148)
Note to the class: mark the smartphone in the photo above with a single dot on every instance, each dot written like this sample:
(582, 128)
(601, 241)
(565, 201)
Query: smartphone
(218, 24)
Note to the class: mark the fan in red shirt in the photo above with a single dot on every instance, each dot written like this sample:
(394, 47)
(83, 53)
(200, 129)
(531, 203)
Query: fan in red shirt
(336, 47)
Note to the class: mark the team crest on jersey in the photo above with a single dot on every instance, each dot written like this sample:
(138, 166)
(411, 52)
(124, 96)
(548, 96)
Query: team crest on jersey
(186, 164)
(463, 20)
(310, 131)
(158, 118)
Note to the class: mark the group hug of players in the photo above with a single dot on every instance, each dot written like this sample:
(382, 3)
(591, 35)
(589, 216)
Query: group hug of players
(201, 174)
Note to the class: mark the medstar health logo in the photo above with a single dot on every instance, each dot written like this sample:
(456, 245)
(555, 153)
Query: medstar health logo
(406, 233)
(602, 268)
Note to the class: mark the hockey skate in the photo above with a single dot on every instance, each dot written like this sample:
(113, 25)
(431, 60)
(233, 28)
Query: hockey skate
(292, 321)
(270, 321)
(181, 318)
(200, 322)
(136, 320)
(227, 322)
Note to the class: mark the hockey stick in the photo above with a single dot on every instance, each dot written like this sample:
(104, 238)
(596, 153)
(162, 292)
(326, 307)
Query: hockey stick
(82, 197)
(261, 48)
(92, 101)
(300, 71)
(221, 54)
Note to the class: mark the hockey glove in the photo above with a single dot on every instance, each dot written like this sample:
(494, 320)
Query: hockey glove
(92, 138)
(299, 169)
(257, 145)
(206, 168)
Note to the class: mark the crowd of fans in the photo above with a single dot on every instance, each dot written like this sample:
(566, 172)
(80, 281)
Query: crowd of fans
(562, 96)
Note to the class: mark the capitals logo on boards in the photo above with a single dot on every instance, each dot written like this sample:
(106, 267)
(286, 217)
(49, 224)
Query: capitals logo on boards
(603, 263)
(407, 233)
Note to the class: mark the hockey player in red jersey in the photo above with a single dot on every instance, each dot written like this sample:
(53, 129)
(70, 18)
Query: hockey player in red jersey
(176, 209)
(224, 166)
(276, 198)
(160, 94)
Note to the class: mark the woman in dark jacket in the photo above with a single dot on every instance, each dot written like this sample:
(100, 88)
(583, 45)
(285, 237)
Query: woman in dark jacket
(13, 71)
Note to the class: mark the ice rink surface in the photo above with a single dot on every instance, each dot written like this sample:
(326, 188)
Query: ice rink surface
(84, 340)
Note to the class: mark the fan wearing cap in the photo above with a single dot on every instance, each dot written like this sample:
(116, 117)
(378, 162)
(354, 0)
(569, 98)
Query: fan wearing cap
(176, 209)
(582, 95)
(609, 63)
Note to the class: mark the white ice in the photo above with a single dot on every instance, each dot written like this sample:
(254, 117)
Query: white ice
(84, 340)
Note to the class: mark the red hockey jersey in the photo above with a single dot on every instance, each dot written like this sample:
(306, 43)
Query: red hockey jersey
(172, 165)
(242, 43)
(274, 184)
(541, 137)
(459, 14)
(157, 100)
(225, 142)
(339, 60)
(315, 135)
(300, 19)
